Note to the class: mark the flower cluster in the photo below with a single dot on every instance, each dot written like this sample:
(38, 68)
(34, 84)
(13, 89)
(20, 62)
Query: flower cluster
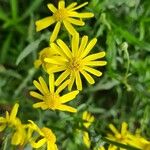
(69, 63)
(22, 134)
(126, 137)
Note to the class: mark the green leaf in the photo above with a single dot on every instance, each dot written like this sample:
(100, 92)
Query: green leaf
(132, 39)
(30, 48)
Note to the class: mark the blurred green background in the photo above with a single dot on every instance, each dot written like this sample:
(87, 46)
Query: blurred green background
(121, 94)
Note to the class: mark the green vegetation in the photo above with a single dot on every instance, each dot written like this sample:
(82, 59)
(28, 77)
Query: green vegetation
(122, 28)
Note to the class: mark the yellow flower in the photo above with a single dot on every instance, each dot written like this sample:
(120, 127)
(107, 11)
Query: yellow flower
(66, 15)
(19, 136)
(19, 132)
(46, 137)
(50, 98)
(11, 119)
(76, 61)
(118, 136)
(44, 53)
(87, 118)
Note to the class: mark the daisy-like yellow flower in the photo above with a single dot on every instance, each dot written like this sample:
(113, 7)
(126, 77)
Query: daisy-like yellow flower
(119, 136)
(46, 136)
(19, 133)
(11, 119)
(63, 15)
(87, 118)
(50, 98)
(76, 61)
(44, 53)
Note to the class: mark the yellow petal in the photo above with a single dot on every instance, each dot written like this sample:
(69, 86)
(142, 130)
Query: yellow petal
(86, 139)
(84, 116)
(64, 47)
(113, 129)
(75, 43)
(36, 95)
(68, 97)
(2, 127)
(44, 23)
(14, 112)
(55, 32)
(83, 15)
(69, 27)
(89, 47)
(58, 49)
(72, 79)
(40, 104)
(78, 81)
(51, 83)
(54, 60)
(56, 69)
(71, 5)
(38, 144)
(92, 71)
(2, 120)
(61, 4)
(95, 56)
(15, 139)
(87, 77)
(124, 128)
(79, 6)
(67, 108)
(76, 22)
(43, 85)
(83, 44)
(61, 87)
(38, 86)
(37, 63)
(52, 8)
(62, 77)
(96, 63)
(51, 146)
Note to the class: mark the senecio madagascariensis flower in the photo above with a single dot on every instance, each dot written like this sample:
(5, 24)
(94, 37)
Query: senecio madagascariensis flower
(19, 133)
(46, 136)
(47, 52)
(11, 119)
(50, 98)
(75, 61)
(63, 15)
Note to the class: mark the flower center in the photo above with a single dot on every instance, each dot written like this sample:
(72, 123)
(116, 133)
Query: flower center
(51, 100)
(61, 14)
(49, 134)
(74, 64)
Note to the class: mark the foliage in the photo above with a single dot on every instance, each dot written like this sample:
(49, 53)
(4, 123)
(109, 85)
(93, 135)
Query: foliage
(121, 94)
